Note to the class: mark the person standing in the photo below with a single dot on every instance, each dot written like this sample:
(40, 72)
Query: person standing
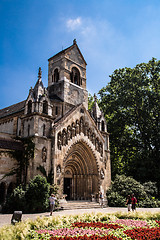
(101, 199)
(128, 203)
(52, 200)
(134, 201)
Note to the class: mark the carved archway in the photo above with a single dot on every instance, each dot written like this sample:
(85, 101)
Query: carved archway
(80, 172)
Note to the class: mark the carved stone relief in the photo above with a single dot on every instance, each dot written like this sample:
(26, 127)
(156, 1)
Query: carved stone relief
(102, 173)
(59, 169)
(44, 154)
(75, 129)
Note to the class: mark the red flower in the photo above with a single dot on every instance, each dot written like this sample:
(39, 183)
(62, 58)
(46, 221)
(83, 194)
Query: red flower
(144, 233)
(96, 225)
(85, 237)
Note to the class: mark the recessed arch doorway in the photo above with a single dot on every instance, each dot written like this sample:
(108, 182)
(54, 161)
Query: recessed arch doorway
(81, 173)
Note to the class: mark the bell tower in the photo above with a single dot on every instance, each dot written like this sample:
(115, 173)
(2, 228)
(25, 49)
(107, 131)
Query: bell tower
(67, 76)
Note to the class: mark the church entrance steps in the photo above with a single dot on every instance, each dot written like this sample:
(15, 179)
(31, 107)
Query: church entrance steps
(69, 205)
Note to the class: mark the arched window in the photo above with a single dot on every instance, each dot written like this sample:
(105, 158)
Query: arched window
(56, 75)
(103, 127)
(56, 111)
(45, 107)
(75, 76)
(29, 107)
(28, 130)
(59, 140)
(44, 129)
(2, 192)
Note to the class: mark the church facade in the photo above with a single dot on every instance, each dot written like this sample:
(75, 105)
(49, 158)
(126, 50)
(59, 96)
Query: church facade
(70, 141)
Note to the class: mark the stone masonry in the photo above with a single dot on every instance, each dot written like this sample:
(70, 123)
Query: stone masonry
(70, 141)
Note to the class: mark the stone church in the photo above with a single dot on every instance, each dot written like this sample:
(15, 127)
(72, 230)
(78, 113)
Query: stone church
(69, 140)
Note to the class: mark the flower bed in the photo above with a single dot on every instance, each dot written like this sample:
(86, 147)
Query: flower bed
(85, 237)
(100, 226)
(144, 233)
(96, 225)
(116, 230)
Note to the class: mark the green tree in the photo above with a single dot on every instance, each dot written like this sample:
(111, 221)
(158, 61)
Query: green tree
(131, 104)
(23, 158)
(90, 101)
(16, 201)
(49, 176)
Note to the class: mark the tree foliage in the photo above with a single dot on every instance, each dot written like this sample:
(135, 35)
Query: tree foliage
(23, 158)
(90, 101)
(16, 201)
(49, 176)
(131, 104)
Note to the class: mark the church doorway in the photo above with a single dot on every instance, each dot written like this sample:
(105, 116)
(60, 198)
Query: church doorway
(81, 178)
(67, 188)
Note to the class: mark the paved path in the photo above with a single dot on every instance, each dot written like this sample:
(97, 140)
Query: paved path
(5, 219)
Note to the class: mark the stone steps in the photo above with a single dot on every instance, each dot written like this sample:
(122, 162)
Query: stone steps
(69, 205)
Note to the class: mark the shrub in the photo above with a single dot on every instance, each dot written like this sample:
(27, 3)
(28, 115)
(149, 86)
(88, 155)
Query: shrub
(37, 194)
(115, 199)
(123, 186)
(16, 201)
(151, 188)
(34, 199)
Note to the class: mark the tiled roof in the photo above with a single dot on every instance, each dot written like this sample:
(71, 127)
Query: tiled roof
(11, 144)
(63, 51)
(12, 109)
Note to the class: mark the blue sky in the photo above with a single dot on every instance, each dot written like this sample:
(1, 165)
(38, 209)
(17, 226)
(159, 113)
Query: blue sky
(111, 34)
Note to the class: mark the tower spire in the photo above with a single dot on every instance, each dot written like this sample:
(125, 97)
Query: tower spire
(95, 98)
(39, 73)
(74, 41)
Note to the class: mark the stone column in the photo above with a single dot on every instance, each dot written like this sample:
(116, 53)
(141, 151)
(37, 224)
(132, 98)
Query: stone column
(78, 187)
(81, 187)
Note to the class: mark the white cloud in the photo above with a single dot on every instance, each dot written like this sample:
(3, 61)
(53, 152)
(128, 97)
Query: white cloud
(72, 24)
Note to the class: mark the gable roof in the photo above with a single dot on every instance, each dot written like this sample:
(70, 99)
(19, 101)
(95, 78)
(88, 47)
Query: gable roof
(12, 109)
(67, 50)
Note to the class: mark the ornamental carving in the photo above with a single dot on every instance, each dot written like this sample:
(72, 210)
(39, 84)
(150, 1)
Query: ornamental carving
(59, 141)
(102, 173)
(59, 169)
(76, 128)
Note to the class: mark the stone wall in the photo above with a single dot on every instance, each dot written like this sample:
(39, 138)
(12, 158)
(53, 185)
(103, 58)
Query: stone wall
(42, 157)
(73, 134)
(7, 163)
(7, 126)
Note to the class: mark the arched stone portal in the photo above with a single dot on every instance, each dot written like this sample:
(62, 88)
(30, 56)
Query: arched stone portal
(81, 173)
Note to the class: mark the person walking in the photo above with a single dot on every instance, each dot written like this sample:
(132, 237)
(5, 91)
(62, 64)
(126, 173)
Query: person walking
(52, 200)
(128, 203)
(134, 201)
